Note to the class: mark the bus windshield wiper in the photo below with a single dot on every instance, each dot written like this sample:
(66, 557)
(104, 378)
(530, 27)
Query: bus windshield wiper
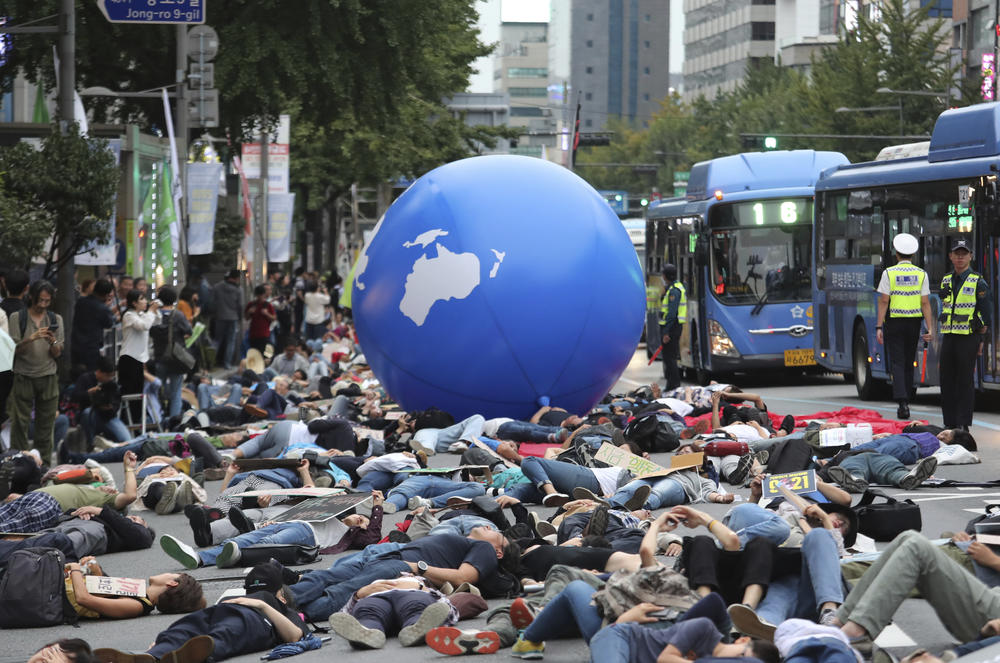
(760, 304)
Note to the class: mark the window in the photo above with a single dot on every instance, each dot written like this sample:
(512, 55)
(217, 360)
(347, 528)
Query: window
(588, 123)
(590, 17)
(761, 2)
(982, 34)
(645, 97)
(648, 18)
(762, 31)
(589, 70)
(528, 92)
(588, 96)
(645, 70)
(646, 43)
(525, 111)
(938, 8)
(527, 72)
(590, 43)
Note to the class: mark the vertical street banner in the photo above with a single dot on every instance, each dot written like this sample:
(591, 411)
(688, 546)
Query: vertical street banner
(202, 205)
(167, 219)
(277, 158)
(280, 207)
(104, 253)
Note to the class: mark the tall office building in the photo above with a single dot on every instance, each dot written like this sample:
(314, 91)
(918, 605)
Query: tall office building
(612, 55)
(521, 69)
(721, 39)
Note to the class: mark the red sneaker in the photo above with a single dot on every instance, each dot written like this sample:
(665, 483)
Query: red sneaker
(521, 614)
(454, 642)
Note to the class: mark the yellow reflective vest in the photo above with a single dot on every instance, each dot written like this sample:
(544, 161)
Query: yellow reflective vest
(905, 284)
(958, 309)
(682, 304)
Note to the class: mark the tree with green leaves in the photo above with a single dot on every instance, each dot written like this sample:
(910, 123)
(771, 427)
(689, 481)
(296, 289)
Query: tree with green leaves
(63, 190)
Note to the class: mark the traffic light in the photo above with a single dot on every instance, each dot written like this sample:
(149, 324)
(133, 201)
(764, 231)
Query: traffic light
(644, 202)
(770, 143)
(594, 139)
(751, 142)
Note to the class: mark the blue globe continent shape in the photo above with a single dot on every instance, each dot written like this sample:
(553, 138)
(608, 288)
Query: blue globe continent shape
(493, 282)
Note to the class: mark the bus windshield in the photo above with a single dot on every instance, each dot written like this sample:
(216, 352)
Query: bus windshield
(760, 251)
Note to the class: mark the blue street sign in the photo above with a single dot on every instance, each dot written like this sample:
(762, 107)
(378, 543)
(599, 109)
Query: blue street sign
(153, 11)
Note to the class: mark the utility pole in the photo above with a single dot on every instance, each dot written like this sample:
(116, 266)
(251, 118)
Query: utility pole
(181, 136)
(260, 247)
(66, 276)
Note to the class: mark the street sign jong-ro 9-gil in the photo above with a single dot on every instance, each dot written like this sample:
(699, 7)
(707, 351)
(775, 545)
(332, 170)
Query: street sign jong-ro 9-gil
(153, 11)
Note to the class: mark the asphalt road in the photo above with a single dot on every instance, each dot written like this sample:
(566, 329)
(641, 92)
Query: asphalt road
(943, 510)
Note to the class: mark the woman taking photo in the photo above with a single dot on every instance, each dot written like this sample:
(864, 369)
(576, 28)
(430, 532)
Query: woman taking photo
(139, 317)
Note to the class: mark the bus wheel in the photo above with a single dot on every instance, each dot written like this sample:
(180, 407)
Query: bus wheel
(863, 380)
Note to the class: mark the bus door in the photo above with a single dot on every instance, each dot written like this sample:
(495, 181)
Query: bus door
(987, 263)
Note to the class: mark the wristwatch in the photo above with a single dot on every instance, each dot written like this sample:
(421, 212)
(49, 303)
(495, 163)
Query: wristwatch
(422, 567)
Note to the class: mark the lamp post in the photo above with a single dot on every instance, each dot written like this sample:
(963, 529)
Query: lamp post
(898, 107)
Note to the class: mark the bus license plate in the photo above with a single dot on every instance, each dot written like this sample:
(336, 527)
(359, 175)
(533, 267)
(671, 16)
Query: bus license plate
(802, 357)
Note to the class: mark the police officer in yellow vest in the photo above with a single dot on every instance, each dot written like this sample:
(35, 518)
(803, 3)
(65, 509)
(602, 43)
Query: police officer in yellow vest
(904, 298)
(966, 314)
(673, 315)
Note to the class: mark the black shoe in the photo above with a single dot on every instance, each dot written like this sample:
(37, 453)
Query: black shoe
(198, 519)
(62, 453)
(598, 524)
(903, 411)
(395, 536)
(788, 423)
(240, 520)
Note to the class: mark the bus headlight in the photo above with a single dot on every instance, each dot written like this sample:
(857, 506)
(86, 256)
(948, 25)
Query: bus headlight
(720, 342)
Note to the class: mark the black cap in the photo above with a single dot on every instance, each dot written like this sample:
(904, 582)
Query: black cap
(851, 535)
(233, 274)
(268, 576)
(960, 245)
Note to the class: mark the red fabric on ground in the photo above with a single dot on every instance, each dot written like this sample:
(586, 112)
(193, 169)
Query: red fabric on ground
(535, 449)
(845, 415)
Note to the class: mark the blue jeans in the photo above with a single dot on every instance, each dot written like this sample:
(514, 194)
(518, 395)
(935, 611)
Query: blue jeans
(207, 392)
(568, 615)
(562, 476)
(95, 424)
(752, 520)
(525, 431)
(436, 488)
(461, 525)
(900, 447)
(367, 555)
(875, 468)
(315, 331)
(227, 331)
(665, 492)
(376, 480)
(270, 444)
(467, 430)
(116, 454)
(818, 582)
(613, 644)
(291, 532)
(820, 650)
(173, 383)
(319, 594)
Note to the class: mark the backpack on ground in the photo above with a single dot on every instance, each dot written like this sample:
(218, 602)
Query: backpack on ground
(33, 590)
(653, 433)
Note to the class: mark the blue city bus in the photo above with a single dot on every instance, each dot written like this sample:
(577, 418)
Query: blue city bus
(741, 240)
(939, 192)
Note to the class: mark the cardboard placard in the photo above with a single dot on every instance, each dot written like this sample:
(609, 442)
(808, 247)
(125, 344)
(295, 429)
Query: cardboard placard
(796, 482)
(988, 533)
(321, 509)
(393, 415)
(850, 435)
(312, 491)
(116, 586)
(480, 469)
(369, 432)
(643, 467)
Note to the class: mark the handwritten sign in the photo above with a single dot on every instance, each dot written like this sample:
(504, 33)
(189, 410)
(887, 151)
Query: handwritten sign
(796, 482)
(643, 467)
(116, 586)
(368, 432)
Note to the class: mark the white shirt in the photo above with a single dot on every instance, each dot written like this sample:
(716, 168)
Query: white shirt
(608, 478)
(792, 631)
(135, 333)
(743, 432)
(884, 286)
(315, 303)
(3, 321)
(678, 406)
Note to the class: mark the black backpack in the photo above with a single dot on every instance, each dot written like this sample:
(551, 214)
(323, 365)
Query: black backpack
(33, 590)
(653, 433)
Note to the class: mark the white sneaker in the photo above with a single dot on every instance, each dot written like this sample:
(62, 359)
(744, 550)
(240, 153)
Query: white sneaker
(458, 448)
(180, 551)
(103, 443)
(416, 501)
(416, 446)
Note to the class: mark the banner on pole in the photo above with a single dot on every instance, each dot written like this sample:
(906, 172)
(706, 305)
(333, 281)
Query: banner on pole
(280, 207)
(97, 253)
(202, 205)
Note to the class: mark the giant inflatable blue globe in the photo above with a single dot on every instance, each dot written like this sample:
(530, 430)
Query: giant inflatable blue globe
(493, 282)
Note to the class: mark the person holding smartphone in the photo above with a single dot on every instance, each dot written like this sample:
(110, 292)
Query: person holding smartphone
(39, 339)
